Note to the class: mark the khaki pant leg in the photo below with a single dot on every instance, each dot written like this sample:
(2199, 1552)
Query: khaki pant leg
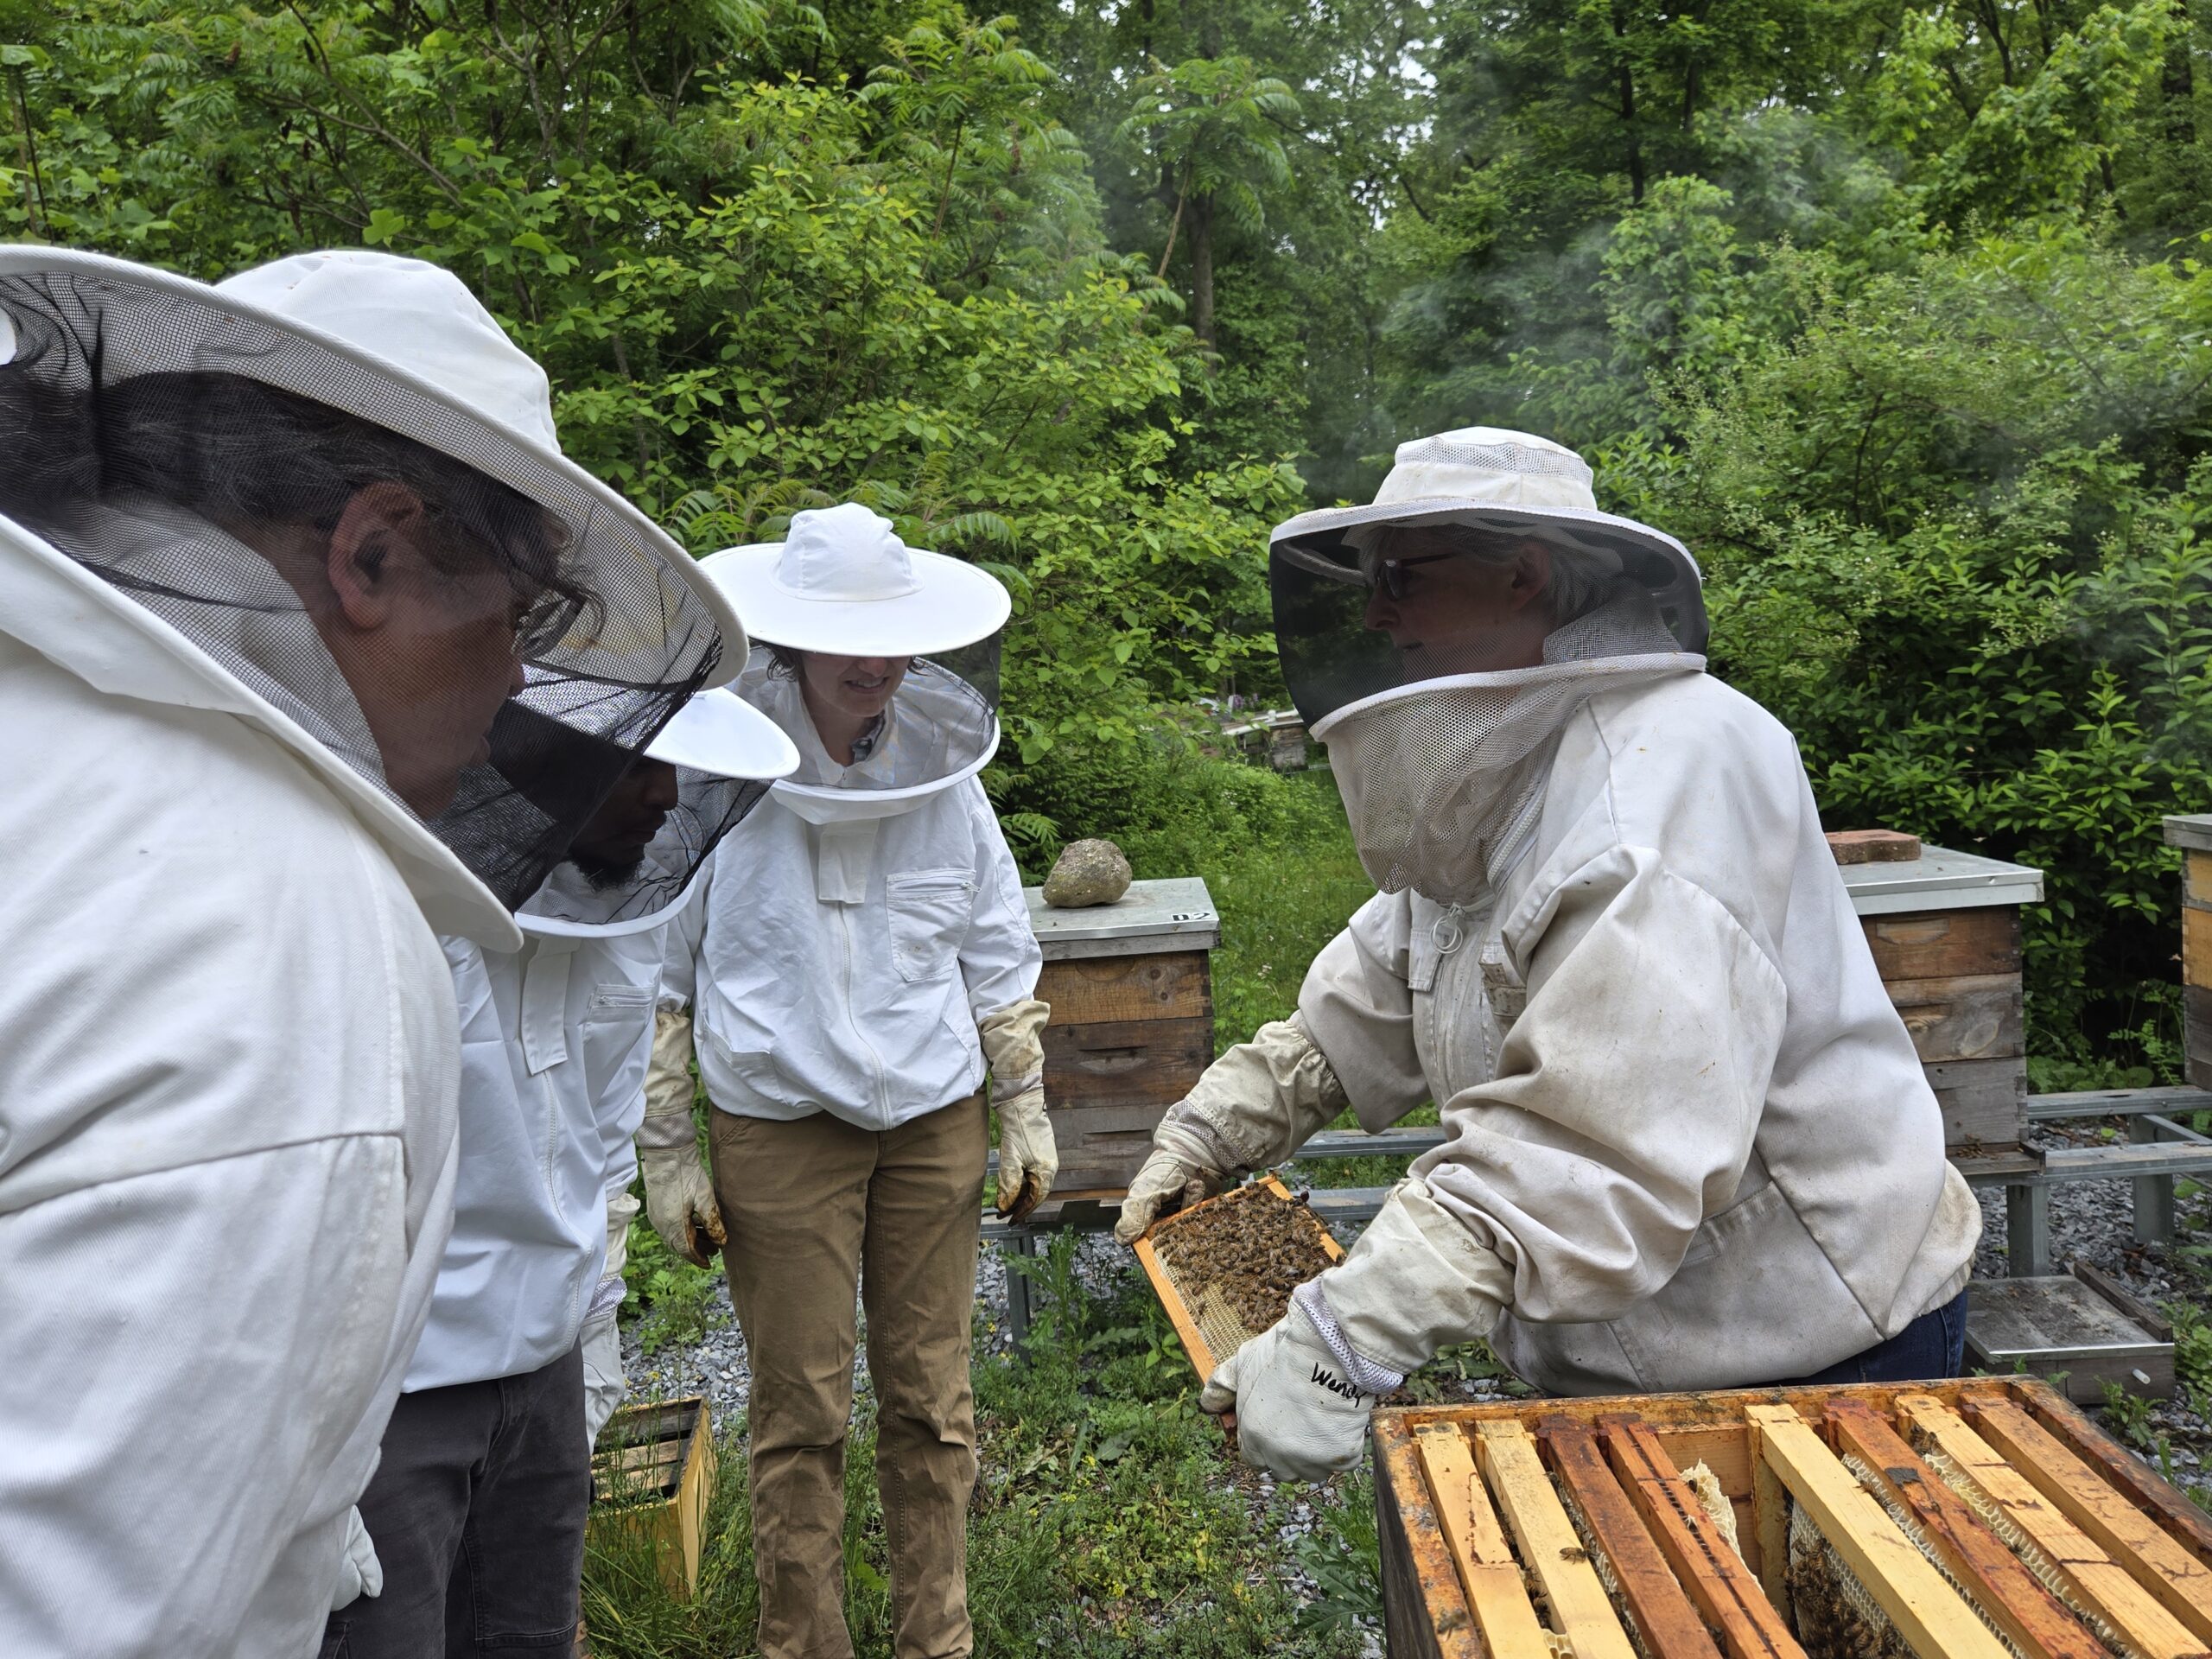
(918, 1281)
(793, 1199)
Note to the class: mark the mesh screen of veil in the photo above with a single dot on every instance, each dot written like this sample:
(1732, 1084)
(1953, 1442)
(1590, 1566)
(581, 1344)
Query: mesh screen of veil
(942, 724)
(204, 463)
(1441, 762)
(566, 773)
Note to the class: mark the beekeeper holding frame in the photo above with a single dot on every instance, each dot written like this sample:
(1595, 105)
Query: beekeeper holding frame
(276, 555)
(1688, 1142)
(859, 956)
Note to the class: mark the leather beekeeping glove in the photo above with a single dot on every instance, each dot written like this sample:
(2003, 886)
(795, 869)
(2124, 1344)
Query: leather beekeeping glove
(1255, 1106)
(359, 1573)
(1029, 1158)
(1416, 1281)
(679, 1195)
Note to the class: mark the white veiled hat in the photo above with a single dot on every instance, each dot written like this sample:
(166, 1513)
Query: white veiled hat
(1487, 478)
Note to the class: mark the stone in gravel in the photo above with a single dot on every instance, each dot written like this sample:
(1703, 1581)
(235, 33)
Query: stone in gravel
(1089, 872)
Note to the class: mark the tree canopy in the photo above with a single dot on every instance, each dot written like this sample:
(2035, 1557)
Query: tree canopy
(1893, 311)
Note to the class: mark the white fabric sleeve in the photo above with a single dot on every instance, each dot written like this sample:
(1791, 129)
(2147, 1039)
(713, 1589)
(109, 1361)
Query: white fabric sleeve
(687, 930)
(1357, 1006)
(188, 1351)
(1256, 1104)
(1628, 1091)
(1000, 958)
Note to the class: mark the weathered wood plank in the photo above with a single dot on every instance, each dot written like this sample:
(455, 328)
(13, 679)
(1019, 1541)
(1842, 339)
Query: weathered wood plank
(1497, 1594)
(1927, 1611)
(1983, 1102)
(1727, 1594)
(2091, 1576)
(2124, 1532)
(1425, 1614)
(1126, 1063)
(1171, 984)
(1966, 1017)
(2036, 1620)
(2197, 878)
(1549, 1548)
(2182, 1519)
(2196, 946)
(1937, 944)
(1669, 1625)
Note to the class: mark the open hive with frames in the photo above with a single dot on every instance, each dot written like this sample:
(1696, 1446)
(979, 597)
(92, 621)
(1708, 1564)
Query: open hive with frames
(1978, 1519)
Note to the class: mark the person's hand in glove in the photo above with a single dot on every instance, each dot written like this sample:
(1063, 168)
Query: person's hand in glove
(359, 1573)
(1302, 1389)
(1179, 1171)
(1301, 1409)
(1029, 1158)
(679, 1195)
(1253, 1107)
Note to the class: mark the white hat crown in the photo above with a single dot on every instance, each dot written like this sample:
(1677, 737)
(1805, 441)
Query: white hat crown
(1489, 464)
(415, 316)
(845, 553)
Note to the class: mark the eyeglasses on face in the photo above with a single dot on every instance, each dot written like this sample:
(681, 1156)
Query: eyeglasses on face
(1390, 573)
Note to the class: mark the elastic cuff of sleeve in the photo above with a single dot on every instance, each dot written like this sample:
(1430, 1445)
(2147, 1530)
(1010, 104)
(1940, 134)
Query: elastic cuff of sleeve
(1360, 1371)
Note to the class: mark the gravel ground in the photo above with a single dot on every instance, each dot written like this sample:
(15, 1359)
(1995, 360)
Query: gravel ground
(2093, 1221)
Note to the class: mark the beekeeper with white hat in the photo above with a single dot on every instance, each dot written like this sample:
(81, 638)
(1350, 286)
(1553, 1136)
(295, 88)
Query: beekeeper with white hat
(1688, 1144)
(275, 554)
(859, 955)
(477, 1511)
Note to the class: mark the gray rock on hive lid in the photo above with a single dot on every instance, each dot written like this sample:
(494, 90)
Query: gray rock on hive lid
(1089, 872)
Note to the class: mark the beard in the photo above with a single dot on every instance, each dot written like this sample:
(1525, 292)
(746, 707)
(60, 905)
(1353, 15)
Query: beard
(601, 872)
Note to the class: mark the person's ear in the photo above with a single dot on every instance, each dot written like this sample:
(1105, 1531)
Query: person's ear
(378, 533)
(1532, 574)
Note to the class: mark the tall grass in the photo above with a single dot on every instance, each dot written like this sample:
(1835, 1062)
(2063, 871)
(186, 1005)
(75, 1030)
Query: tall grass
(1105, 1524)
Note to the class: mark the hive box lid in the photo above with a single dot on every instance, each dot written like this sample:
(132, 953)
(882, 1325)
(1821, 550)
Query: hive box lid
(1173, 914)
(2193, 831)
(1939, 879)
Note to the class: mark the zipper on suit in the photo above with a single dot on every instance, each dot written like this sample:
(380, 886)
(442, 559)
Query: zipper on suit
(877, 1078)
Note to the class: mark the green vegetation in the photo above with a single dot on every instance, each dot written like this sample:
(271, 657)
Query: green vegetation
(1895, 309)
(1106, 1521)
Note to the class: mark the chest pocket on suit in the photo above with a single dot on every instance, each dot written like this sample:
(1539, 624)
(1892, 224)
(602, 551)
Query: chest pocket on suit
(928, 912)
(616, 1028)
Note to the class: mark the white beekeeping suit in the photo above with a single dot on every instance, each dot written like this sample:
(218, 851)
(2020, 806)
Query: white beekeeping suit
(1688, 1142)
(554, 1038)
(274, 556)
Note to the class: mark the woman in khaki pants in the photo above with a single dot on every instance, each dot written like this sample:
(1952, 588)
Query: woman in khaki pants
(857, 958)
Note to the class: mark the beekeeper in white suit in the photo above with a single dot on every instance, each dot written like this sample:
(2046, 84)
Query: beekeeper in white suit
(274, 555)
(1688, 1143)
(478, 1507)
(858, 956)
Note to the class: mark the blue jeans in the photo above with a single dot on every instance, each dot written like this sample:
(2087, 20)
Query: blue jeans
(1933, 1345)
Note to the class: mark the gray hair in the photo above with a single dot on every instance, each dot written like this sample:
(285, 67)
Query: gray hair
(1580, 580)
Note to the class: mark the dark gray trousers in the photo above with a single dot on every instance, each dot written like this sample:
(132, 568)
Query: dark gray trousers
(477, 1514)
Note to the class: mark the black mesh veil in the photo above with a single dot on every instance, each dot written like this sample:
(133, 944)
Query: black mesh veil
(1321, 584)
(419, 590)
(569, 772)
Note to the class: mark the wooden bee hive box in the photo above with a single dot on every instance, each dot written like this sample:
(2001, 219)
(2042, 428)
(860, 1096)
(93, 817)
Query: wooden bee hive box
(652, 1473)
(1131, 988)
(1945, 930)
(2194, 836)
(1986, 1519)
(1211, 1329)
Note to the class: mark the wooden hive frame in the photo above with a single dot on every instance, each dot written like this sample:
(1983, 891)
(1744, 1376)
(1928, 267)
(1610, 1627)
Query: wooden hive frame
(1985, 1518)
(1179, 1313)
